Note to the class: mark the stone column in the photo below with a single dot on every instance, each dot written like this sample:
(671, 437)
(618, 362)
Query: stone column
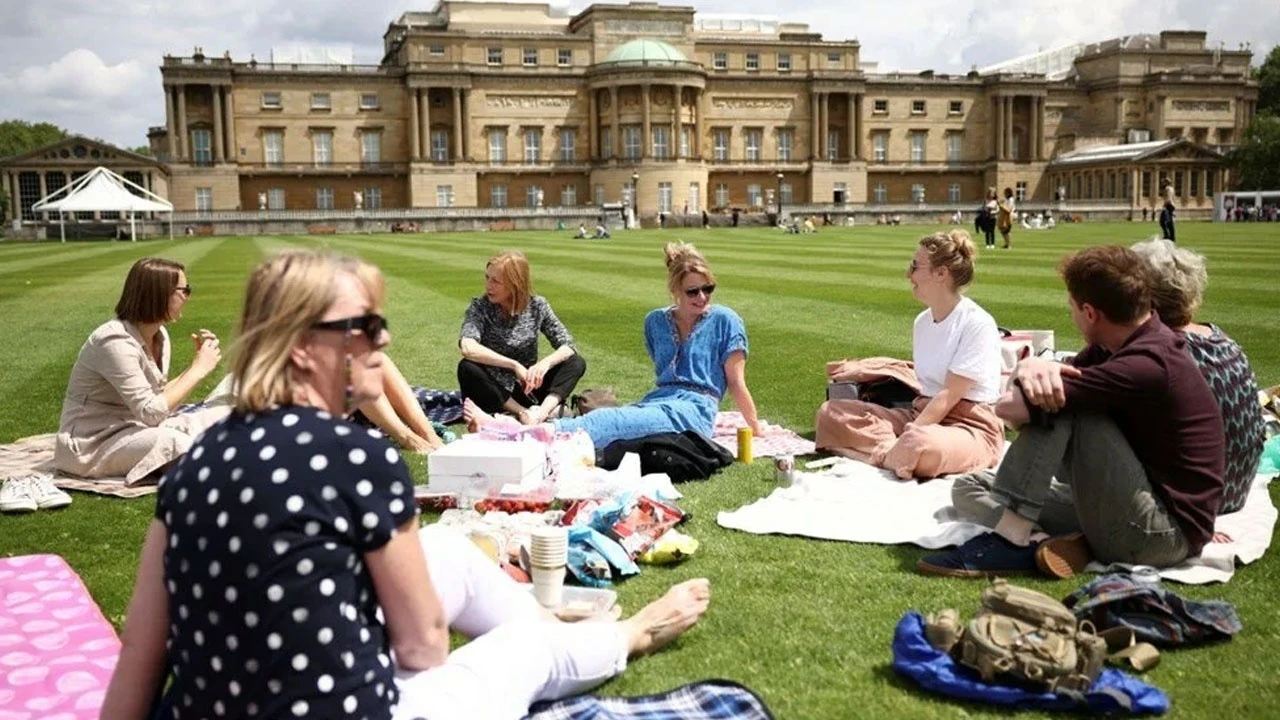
(815, 152)
(700, 125)
(1008, 128)
(997, 129)
(1036, 132)
(415, 135)
(1135, 186)
(44, 192)
(229, 124)
(424, 122)
(459, 128)
(592, 126)
(677, 124)
(646, 140)
(218, 155)
(170, 122)
(184, 152)
(824, 122)
(855, 134)
(616, 133)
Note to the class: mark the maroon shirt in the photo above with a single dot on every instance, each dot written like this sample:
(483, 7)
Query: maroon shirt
(1158, 397)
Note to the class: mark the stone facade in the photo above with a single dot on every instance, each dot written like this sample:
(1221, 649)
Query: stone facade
(511, 105)
(34, 175)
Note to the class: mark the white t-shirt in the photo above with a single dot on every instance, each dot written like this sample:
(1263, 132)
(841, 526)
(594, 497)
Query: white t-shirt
(966, 343)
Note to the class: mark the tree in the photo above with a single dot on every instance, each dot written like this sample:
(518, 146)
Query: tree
(1269, 83)
(142, 150)
(1256, 161)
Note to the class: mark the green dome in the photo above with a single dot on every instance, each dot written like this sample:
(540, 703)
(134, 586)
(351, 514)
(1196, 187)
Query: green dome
(646, 52)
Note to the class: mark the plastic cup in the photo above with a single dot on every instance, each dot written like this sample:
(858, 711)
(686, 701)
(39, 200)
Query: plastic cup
(549, 547)
(548, 585)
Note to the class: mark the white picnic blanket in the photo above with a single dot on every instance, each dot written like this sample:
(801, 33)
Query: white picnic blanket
(855, 502)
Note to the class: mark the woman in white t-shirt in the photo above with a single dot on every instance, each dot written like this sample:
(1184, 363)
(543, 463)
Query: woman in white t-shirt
(952, 427)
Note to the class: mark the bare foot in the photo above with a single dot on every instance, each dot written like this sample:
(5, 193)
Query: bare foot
(666, 618)
(413, 443)
(475, 417)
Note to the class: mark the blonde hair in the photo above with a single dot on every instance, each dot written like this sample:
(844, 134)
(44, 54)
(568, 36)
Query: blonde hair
(684, 259)
(1178, 279)
(513, 273)
(953, 250)
(991, 193)
(286, 295)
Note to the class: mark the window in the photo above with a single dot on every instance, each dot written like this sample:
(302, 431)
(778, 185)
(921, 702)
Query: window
(917, 193)
(784, 192)
(664, 197)
(1208, 183)
(955, 107)
(444, 195)
(722, 195)
(833, 145)
(436, 49)
(532, 145)
(204, 199)
(273, 147)
(751, 140)
(784, 62)
(439, 145)
(271, 101)
(955, 145)
(533, 196)
(568, 145)
(753, 196)
(753, 61)
(917, 107)
(1177, 183)
(275, 199)
(1088, 185)
(786, 139)
(880, 107)
(369, 101)
(686, 141)
(917, 146)
(373, 197)
(606, 143)
(695, 192)
(833, 58)
(569, 195)
(498, 147)
(720, 61)
(564, 57)
(370, 147)
(1020, 192)
(321, 101)
(1195, 184)
(720, 145)
(880, 147)
(1146, 184)
(529, 57)
(493, 56)
(631, 142)
(953, 193)
(599, 195)
(879, 195)
(324, 198)
(1017, 146)
(661, 141)
(498, 196)
(201, 146)
(322, 147)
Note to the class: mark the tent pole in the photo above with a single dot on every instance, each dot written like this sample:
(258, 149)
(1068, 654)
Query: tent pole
(170, 224)
(133, 228)
(62, 223)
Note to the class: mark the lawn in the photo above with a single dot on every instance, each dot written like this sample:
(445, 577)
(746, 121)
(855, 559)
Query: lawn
(805, 623)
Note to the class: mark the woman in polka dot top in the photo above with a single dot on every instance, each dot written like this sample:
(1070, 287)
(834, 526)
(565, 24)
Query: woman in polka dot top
(284, 574)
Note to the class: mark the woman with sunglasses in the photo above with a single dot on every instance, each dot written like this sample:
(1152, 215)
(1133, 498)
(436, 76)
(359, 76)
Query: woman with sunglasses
(500, 370)
(699, 352)
(285, 575)
(118, 416)
(952, 427)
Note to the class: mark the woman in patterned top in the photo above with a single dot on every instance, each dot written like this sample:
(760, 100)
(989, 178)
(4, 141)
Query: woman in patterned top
(500, 370)
(699, 353)
(285, 568)
(1178, 280)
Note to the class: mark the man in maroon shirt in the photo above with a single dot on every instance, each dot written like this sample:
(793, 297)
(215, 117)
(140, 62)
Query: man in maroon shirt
(1120, 454)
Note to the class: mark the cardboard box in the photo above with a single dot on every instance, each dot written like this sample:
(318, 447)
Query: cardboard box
(467, 464)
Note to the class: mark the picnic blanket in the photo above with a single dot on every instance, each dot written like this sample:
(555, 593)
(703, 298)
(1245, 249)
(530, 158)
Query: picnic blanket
(776, 441)
(707, 700)
(855, 502)
(57, 651)
(35, 455)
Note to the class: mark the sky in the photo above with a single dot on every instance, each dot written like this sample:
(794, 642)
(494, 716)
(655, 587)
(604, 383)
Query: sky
(92, 66)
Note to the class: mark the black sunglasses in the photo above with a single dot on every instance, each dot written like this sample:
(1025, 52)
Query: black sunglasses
(370, 324)
(704, 289)
(184, 289)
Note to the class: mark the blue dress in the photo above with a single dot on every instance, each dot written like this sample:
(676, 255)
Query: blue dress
(690, 380)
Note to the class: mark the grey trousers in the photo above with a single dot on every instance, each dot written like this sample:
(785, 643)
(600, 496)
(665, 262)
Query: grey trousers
(1078, 476)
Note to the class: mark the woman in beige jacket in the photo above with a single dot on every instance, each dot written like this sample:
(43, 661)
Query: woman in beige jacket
(118, 414)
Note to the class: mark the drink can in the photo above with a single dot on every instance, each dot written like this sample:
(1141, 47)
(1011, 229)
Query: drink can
(744, 445)
(784, 469)
(1144, 574)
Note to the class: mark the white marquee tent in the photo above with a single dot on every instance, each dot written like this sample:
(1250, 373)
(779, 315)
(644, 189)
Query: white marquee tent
(101, 190)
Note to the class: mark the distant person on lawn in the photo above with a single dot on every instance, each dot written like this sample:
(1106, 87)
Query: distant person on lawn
(952, 426)
(1120, 454)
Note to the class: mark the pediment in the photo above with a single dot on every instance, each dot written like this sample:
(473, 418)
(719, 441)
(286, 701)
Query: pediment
(76, 151)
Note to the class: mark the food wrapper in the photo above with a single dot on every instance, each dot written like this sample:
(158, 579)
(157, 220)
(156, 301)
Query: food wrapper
(609, 549)
(673, 547)
(647, 521)
(589, 567)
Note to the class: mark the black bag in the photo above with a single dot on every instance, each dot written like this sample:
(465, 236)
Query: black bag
(682, 456)
(888, 392)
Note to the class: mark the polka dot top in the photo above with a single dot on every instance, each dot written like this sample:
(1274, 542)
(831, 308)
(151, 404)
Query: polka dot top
(272, 611)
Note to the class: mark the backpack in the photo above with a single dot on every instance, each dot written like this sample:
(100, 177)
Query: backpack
(592, 399)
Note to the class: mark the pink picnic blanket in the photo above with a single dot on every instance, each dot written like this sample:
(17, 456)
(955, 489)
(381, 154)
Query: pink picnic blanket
(776, 440)
(57, 651)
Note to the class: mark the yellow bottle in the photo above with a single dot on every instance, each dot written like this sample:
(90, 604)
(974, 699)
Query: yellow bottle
(744, 445)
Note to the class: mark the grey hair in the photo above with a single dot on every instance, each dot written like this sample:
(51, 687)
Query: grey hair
(1178, 279)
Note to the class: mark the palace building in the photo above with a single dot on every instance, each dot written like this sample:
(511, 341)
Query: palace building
(492, 105)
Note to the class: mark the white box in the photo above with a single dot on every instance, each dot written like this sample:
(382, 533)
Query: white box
(456, 466)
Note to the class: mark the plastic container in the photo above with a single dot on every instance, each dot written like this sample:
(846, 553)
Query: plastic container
(583, 603)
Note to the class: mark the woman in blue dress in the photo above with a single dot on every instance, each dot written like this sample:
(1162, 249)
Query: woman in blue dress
(699, 353)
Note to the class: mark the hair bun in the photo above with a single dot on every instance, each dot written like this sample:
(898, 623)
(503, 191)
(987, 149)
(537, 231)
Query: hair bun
(679, 251)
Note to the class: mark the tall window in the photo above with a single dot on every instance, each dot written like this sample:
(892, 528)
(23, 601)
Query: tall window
(444, 195)
(498, 196)
(631, 142)
(275, 199)
(440, 145)
(532, 145)
(568, 145)
(786, 140)
(564, 57)
(917, 193)
(368, 101)
(917, 147)
(324, 198)
(695, 192)
(784, 62)
(529, 57)
(1146, 184)
(753, 61)
(1017, 146)
(373, 197)
(533, 196)
(1020, 191)
(843, 187)
(498, 148)
(720, 144)
(664, 197)
(661, 142)
(754, 198)
(720, 61)
(722, 195)
(322, 147)
(204, 199)
(785, 192)
(493, 56)
(879, 194)
(686, 141)
(1208, 183)
(569, 195)
(201, 146)
(599, 195)
(751, 139)
(606, 143)
(880, 147)
(833, 145)
(955, 144)
(370, 148)
(953, 193)
(1177, 183)
(273, 147)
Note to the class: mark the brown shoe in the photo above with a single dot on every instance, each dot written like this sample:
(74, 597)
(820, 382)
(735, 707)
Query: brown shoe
(1064, 556)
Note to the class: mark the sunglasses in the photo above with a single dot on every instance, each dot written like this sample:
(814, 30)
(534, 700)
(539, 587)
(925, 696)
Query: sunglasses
(184, 289)
(704, 289)
(370, 325)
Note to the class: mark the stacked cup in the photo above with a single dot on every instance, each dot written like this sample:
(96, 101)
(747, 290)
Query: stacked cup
(548, 555)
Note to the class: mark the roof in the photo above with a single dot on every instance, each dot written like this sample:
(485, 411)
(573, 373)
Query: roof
(79, 149)
(1127, 152)
(102, 190)
(646, 52)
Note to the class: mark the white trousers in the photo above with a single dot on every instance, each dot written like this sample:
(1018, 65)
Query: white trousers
(516, 656)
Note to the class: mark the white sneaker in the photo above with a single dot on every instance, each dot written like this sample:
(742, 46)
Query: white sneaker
(46, 494)
(16, 497)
